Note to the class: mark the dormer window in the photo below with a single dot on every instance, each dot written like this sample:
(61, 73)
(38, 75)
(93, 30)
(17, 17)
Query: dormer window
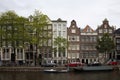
(105, 26)
(73, 26)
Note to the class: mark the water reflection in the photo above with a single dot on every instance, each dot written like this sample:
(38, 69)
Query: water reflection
(62, 76)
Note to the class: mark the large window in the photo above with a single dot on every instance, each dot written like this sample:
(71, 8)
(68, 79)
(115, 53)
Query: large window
(110, 30)
(100, 30)
(49, 42)
(20, 54)
(118, 40)
(73, 47)
(105, 31)
(6, 54)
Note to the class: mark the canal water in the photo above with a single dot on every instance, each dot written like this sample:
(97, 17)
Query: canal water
(60, 76)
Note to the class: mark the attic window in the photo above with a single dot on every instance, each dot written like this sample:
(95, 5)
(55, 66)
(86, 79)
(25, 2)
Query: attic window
(73, 26)
(105, 26)
(89, 30)
(73, 31)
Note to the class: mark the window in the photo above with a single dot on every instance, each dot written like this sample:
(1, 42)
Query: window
(94, 39)
(105, 30)
(9, 44)
(118, 40)
(64, 25)
(100, 37)
(59, 54)
(55, 34)
(73, 47)
(3, 43)
(73, 26)
(9, 27)
(77, 38)
(64, 33)
(55, 25)
(105, 26)
(73, 31)
(49, 34)
(55, 54)
(19, 54)
(89, 30)
(73, 39)
(4, 28)
(49, 27)
(59, 24)
(110, 30)
(49, 42)
(9, 35)
(6, 54)
(118, 47)
(45, 28)
(100, 30)
(59, 33)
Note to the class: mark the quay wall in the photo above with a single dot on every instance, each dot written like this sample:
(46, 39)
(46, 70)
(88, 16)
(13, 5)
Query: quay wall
(35, 69)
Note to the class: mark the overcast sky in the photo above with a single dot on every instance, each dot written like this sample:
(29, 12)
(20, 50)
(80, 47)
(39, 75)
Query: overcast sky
(84, 12)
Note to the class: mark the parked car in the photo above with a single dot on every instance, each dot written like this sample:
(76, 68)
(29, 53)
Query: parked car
(49, 64)
(112, 62)
(74, 64)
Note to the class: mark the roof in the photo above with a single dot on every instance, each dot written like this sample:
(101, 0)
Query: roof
(59, 20)
(117, 31)
(87, 29)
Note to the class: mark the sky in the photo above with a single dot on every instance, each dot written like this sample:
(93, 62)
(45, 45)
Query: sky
(84, 12)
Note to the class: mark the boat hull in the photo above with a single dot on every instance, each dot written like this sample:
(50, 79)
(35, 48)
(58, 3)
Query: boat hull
(94, 68)
(97, 68)
(50, 71)
(56, 71)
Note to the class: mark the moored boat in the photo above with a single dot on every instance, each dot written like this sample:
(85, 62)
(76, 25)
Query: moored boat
(97, 68)
(56, 71)
(50, 70)
(94, 67)
(63, 71)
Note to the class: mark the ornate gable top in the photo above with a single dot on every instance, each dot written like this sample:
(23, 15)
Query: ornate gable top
(105, 21)
(73, 22)
(59, 19)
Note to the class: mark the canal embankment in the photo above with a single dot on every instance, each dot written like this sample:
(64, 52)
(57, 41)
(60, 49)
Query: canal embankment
(38, 68)
(35, 69)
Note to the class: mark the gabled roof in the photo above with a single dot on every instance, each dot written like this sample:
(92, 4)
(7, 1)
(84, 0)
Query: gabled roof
(59, 20)
(117, 31)
(87, 29)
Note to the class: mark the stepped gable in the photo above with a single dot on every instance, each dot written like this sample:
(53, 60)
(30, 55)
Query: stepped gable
(73, 23)
(105, 24)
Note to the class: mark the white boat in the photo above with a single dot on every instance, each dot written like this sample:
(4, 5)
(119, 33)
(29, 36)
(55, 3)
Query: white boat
(55, 71)
(50, 70)
(63, 71)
